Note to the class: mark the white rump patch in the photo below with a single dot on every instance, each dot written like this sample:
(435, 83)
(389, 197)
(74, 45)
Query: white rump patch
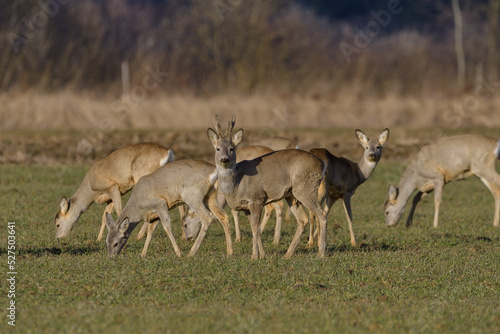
(213, 177)
(497, 151)
(169, 158)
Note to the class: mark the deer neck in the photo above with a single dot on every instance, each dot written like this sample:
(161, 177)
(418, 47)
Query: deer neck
(406, 186)
(366, 168)
(228, 179)
(81, 199)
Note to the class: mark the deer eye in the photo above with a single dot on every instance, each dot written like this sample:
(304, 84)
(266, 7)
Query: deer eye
(115, 245)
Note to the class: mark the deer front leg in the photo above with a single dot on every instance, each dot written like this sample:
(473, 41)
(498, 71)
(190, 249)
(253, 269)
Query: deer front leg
(164, 216)
(143, 230)
(151, 227)
(268, 209)
(206, 220)
(278, 206)
(438, 194)
(495, 190)
(348, 216)
(257, 247)
(415, 201)
(108, 209)
(237, 230)
(223, 218)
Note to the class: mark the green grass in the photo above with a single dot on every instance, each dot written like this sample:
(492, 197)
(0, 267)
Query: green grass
(399, 280)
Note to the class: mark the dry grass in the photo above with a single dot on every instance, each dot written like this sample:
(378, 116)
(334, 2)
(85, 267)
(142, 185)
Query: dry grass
(67, 110)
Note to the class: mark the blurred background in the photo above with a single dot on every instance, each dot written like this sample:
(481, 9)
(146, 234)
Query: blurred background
(160, 64)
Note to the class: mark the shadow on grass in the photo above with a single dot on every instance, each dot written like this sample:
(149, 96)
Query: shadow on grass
(58, 251)
(331, 249)
(462, 238)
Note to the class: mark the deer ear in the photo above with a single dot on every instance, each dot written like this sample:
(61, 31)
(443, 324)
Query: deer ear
(362, 137)
(383, 137)
(124, 225)
(64, 205)
(212, 136)
(393, 193)
(110, 222)
(238, 137)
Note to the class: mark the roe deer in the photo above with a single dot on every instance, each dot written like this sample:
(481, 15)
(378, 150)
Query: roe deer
(244, 153)
(448, 159)
(276, 143)
(248, 186)
(345, 176)
(192, 182)
(108, 179)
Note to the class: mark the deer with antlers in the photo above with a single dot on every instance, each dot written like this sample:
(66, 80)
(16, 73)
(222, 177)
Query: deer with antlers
(249, 185)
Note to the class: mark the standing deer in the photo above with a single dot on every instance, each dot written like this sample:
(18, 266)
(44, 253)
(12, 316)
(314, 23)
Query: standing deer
(244, 153)
(192, 182)
(108, 179)
(448, 159)
(345, 176)
(248, 186)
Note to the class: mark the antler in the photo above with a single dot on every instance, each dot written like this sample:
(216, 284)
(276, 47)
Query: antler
(230, 126)
(217, 126)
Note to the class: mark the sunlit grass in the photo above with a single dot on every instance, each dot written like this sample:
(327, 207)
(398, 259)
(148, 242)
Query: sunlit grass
(418, 279)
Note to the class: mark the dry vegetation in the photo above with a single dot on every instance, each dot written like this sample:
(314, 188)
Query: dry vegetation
(277, 64)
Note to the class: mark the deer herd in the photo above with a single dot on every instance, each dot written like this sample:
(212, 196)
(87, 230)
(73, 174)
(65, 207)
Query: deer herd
(259, 177)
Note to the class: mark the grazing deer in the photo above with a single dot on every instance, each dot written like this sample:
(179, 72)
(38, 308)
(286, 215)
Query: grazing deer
(244, 153)
(448, 159)
(248, 186)
(193, 182)
(345, 176)
(108, 179)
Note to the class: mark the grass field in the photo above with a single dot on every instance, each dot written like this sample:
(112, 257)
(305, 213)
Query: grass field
(399, 280)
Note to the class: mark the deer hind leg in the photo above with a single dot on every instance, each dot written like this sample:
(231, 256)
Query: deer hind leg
(182, 212)
(495, 190)
(109, 209)
(151, 227)
(223, 218)
(164, 215)
(313, 233)
(301, 217)
(312, 222)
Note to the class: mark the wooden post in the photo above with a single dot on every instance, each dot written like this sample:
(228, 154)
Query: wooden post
(125, 79)
(459, 45)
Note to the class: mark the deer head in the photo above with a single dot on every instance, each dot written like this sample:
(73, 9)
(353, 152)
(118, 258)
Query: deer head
(225, 142)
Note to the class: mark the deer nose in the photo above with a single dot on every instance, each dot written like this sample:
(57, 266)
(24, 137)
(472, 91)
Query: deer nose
(372, 155)
(224, 160)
